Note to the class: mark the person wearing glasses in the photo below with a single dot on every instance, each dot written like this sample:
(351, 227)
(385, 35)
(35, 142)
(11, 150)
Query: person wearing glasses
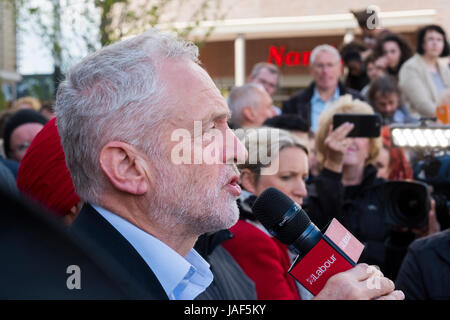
(325, 68)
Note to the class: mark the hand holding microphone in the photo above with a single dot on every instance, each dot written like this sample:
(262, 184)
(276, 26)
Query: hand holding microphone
(325, 262)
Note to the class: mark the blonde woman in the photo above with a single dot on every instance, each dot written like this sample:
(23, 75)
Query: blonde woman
(347, 187)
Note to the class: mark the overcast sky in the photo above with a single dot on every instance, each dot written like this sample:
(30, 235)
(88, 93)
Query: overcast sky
(34, 56)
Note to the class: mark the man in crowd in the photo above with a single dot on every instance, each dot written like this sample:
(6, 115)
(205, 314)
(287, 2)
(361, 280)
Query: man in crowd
(384, 96)
(325, 68)
(250, 106)
(267, 75)
(117, 111)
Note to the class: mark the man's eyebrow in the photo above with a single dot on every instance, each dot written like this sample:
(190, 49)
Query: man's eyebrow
(218, 115)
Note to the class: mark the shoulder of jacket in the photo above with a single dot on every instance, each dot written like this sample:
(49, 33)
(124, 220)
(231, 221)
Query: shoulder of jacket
(415, 62)
(433, 241)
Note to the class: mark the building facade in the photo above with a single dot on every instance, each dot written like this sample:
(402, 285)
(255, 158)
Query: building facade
(285, 31)
(8, 55)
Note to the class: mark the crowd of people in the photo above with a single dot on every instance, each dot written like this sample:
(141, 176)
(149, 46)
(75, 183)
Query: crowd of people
(103, 164)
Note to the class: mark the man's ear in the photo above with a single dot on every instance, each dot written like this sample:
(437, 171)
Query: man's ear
(249, 114)
(248, 180)
(124, 167)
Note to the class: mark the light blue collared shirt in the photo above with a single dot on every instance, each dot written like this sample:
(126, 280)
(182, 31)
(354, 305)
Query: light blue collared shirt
(318, 106)
(182, 278)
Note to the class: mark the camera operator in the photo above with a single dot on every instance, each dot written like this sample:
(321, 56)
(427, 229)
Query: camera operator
(347, 187)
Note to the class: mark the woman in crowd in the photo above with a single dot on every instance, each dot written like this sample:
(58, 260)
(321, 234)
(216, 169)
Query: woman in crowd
(424, 77)
(392, 163)
(263, 258)
(347, 187)
(27, 103)
(376, 67)
(396, 51)
(19, 130)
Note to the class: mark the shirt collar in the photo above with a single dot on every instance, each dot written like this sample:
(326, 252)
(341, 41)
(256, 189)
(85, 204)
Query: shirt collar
(181, 277)
(316, 97)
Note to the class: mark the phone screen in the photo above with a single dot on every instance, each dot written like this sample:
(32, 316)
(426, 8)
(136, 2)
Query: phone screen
(365, 125)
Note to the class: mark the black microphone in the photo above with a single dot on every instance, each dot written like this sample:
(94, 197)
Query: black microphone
(320, 256)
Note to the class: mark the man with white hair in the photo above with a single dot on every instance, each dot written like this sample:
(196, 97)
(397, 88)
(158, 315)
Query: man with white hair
(250, 106)
(326, 68)
(117, 111)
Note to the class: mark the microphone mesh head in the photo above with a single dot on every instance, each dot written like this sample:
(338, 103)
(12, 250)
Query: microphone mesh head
(270, 208)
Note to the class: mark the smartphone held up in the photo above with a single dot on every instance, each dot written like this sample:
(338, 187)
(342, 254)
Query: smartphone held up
(364, 125)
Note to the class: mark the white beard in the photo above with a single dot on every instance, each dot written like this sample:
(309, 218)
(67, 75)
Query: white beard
(194, 204)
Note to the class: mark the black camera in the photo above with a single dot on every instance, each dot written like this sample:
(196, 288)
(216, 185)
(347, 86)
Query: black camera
(407, 203)
(435, 171)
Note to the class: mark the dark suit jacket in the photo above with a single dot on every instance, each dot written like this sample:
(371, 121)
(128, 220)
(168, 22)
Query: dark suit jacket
(39, 256)
(425, 271)
(300, 102)
(125, 263)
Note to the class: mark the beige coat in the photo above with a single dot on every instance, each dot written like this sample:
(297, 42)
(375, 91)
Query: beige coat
(418, 88)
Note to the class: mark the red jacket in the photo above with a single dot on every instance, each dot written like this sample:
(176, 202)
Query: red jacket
(264, 259)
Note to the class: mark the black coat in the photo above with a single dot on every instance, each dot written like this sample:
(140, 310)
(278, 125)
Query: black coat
(38, 256)
(425, 271)
(300, 102)
(125, 263)
(360, 209)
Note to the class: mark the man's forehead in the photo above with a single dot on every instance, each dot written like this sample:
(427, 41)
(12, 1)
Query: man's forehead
(194, 95)
(326, 56)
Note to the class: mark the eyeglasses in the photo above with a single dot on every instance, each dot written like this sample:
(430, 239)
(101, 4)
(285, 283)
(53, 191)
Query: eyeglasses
(321, 66)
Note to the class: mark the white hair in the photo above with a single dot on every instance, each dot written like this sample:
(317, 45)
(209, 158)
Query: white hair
(115, 94)
(324, 48)
(247, 95)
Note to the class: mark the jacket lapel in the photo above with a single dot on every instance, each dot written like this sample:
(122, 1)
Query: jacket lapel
(131, 270)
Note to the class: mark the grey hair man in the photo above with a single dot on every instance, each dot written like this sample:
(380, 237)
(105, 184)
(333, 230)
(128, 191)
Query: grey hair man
(325, 68)
(116, 112)
(266, 74)
(250, 106)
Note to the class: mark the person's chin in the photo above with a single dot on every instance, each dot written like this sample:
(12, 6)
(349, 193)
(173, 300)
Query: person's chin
(232, 212)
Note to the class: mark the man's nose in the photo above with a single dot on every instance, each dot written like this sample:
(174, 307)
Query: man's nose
(234, 151)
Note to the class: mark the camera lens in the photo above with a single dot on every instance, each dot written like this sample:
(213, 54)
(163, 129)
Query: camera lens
(407, 203)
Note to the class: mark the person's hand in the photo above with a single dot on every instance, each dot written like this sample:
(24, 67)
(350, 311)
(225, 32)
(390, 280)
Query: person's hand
(363, 282)
(336, 144)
